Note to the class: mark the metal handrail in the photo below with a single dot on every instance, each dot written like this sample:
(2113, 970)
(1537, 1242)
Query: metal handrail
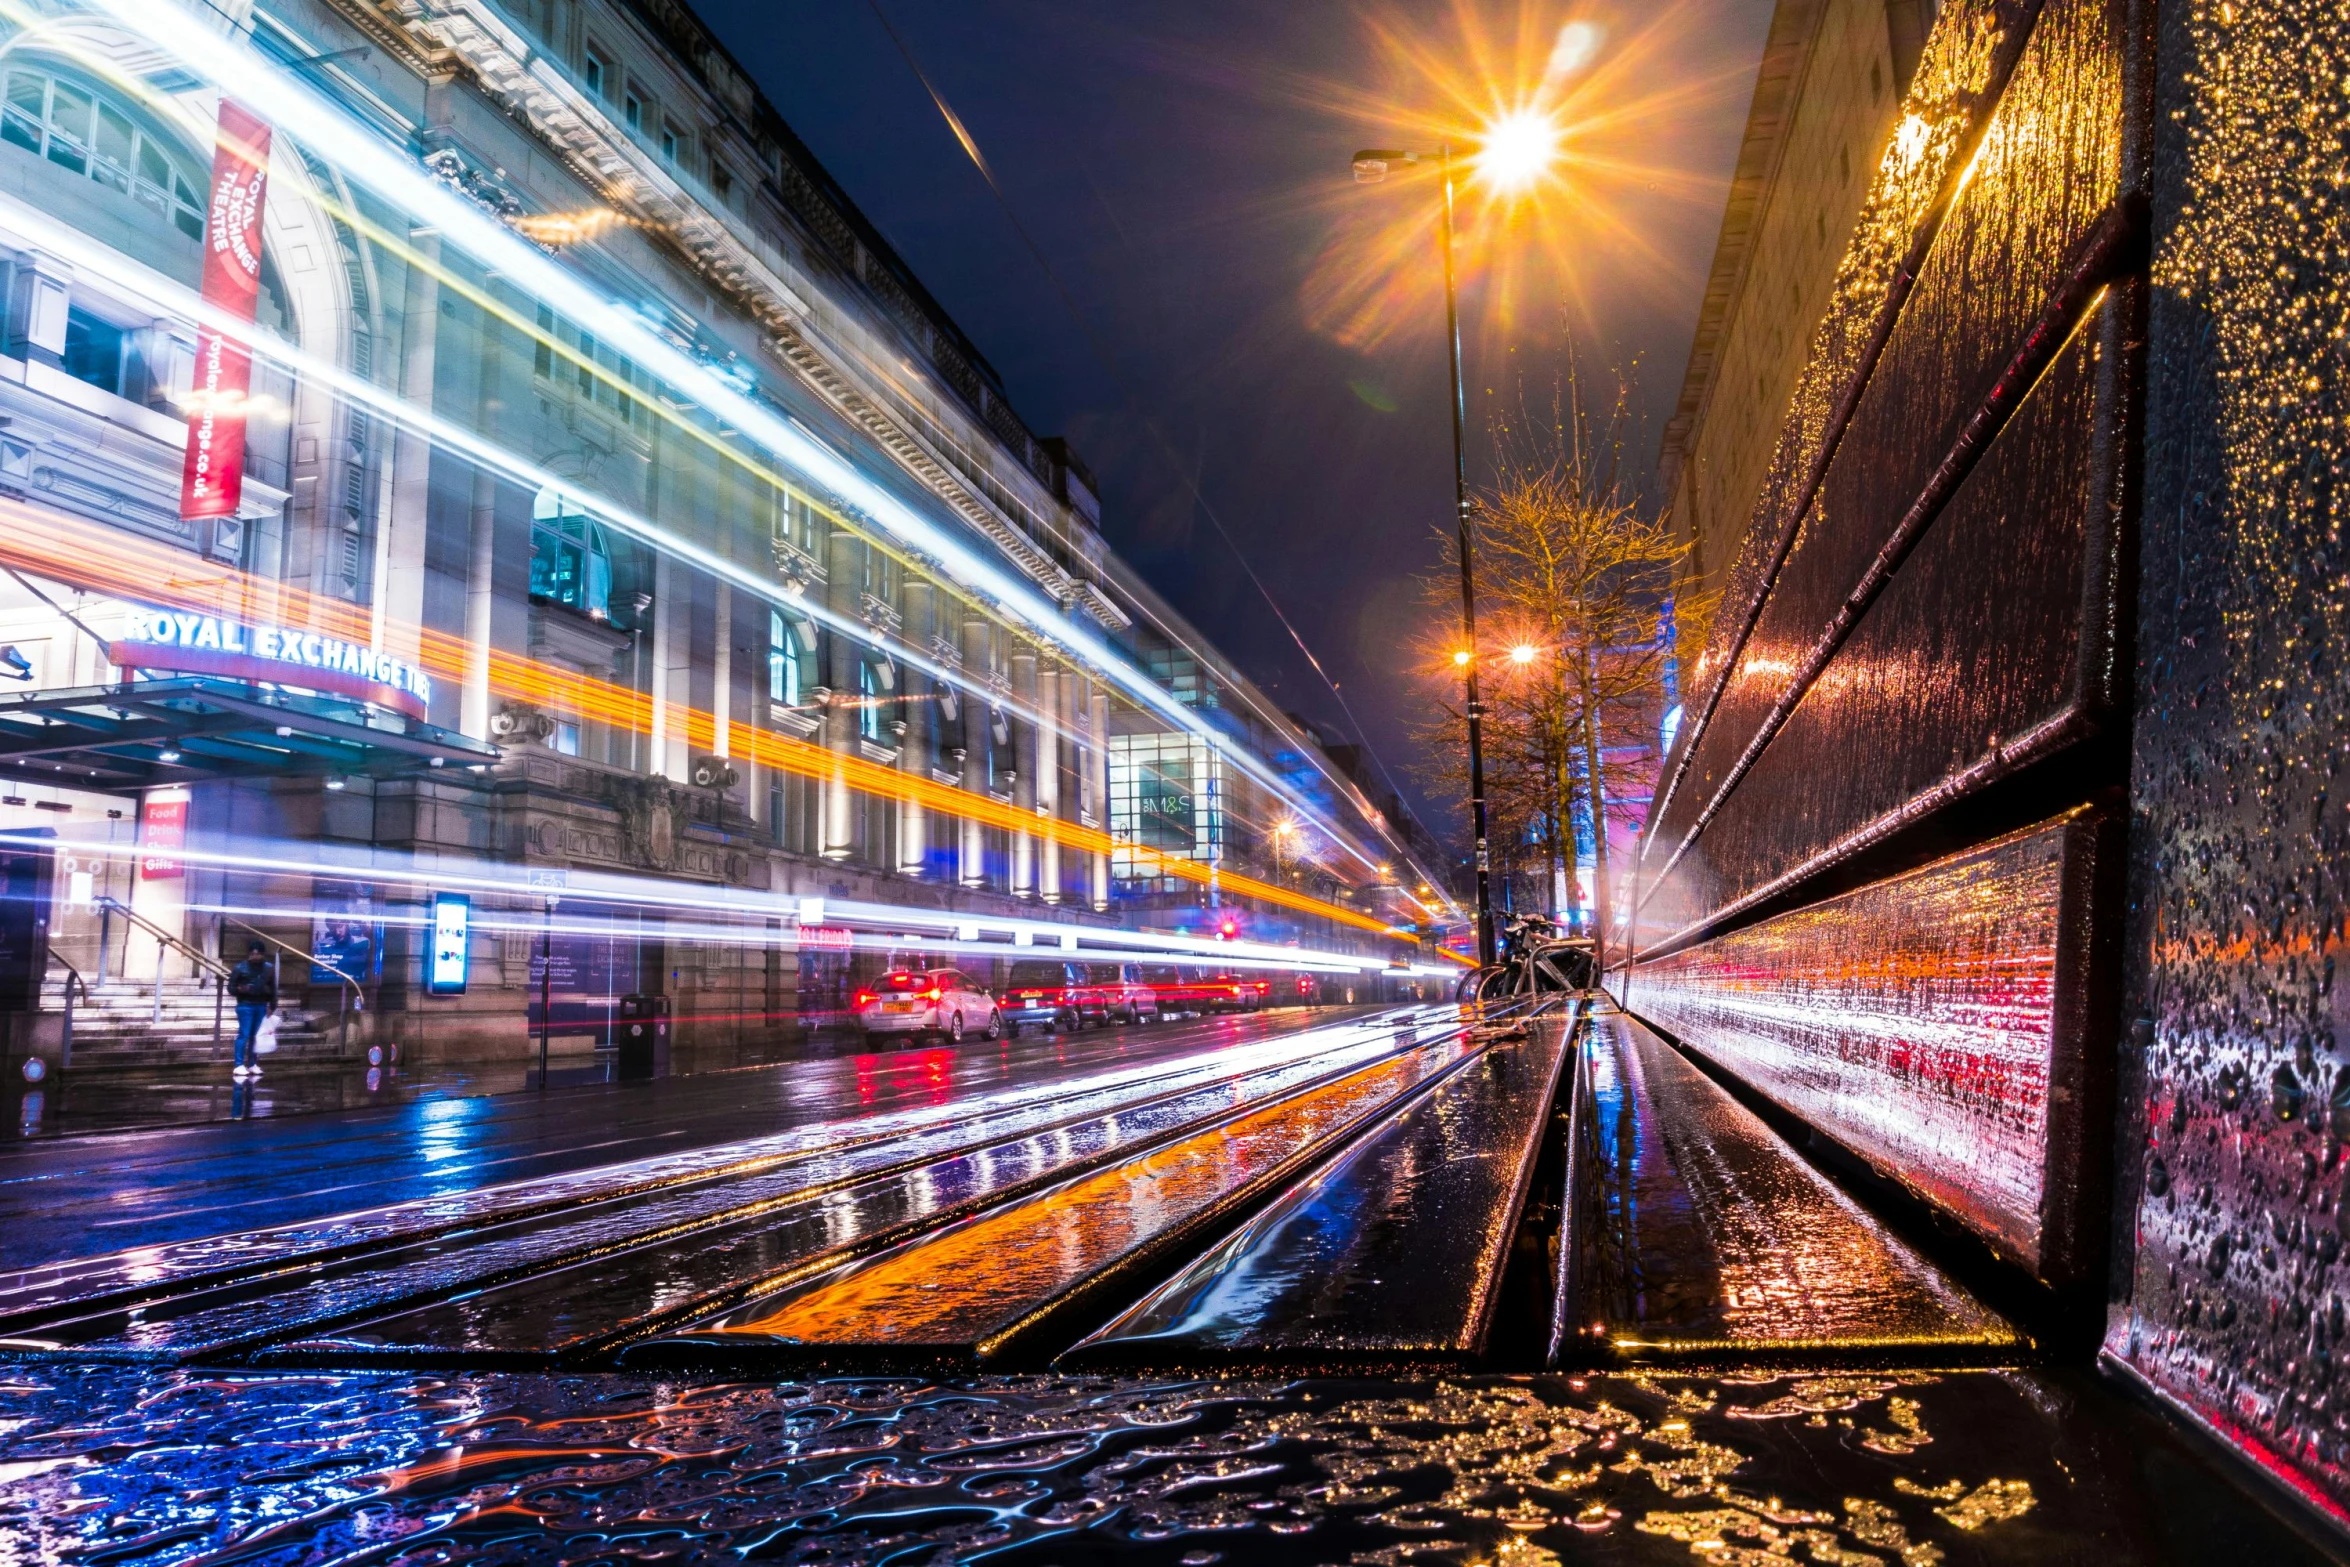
(166, 941)
(73, 982)
(219, 970)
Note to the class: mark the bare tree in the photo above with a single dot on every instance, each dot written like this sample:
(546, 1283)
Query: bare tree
(1577, 584)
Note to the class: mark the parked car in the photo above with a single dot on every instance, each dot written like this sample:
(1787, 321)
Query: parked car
(1126, 995)
(1052, 994)
(1175, 992)
(1237, 992)
(915, 1002)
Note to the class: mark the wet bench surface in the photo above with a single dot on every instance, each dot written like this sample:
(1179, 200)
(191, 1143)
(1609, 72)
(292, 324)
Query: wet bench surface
(1392, 1251)
(1697, 1230)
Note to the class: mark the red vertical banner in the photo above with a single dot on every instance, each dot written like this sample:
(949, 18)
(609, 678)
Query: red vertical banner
(213, 479)
(163, 832)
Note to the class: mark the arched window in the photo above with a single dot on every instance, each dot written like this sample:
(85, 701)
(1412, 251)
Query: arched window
(80, 128)
(789, 644)
(570, 562)
(877, 681)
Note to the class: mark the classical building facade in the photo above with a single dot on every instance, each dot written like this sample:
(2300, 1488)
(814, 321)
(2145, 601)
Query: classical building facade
(670, 577)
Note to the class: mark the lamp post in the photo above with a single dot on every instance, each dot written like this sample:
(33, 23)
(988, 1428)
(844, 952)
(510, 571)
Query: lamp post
(1370, 167)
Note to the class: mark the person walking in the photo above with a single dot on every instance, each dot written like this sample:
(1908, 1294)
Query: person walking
(254, 985)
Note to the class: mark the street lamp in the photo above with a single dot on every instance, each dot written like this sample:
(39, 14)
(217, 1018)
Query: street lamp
(1517, 148)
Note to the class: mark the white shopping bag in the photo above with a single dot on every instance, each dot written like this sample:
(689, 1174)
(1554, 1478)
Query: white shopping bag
(265, 1037)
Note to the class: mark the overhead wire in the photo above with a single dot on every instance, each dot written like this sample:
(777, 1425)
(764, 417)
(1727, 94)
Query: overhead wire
(1109, 363)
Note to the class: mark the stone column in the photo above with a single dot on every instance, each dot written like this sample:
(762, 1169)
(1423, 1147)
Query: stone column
(916, 707)
(481, 543)
(1024, 795)
(1100, 701)
(1053, 709)
(398, 621)
(666, 585)
(972, 869)
(722, 673)
(836, 829)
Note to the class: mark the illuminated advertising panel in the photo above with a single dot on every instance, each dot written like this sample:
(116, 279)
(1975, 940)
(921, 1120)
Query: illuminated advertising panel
(447, 956)
(212, 480)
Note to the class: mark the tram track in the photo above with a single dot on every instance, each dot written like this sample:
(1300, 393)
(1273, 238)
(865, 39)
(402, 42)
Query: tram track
(638, 1228)
(142, 1275)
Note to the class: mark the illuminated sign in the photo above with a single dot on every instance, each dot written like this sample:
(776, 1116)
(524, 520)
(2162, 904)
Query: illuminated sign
(163, 832)
(279, 655)
(212, 480)
(826, 938)
(452, 929)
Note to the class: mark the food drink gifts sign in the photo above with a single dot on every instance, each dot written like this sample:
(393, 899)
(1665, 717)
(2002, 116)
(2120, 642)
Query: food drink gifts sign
(163, 832)
(212, 481)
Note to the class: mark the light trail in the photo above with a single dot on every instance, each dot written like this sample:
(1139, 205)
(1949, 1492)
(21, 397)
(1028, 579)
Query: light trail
(1141, 946)
(1040, 937)
(360, 154)
(103, 560)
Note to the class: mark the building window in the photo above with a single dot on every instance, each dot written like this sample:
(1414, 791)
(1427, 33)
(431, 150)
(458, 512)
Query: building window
(1001, 770)
(721, 182)
(669, 142)
(633, 111)
(587, 361)
(81, 130)
(594, 72)
(873, 690)
(570, 562)
(566, 741)
(94, 350)
(785, 656)
(543, 351)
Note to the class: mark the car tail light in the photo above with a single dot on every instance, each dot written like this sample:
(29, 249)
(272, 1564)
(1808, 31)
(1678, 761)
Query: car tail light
(931, 994)
(865, 998)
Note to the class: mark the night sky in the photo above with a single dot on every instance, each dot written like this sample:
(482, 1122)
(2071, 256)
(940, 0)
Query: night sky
(1267, 324)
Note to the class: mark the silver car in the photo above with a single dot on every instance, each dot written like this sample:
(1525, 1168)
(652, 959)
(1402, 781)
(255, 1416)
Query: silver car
(918, 1002)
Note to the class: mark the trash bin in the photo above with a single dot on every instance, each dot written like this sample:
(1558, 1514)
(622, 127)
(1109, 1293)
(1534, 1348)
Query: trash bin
(640, 1036)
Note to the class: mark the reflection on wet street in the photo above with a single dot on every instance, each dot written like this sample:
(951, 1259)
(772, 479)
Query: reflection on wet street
(114, 1465)
(974, 1283)
(79, 1196)
(581, 1364)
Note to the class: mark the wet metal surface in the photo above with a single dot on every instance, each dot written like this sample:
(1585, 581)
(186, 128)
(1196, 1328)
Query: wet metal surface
(972, 1284)
(160, 1469)
(2238, 1290)
(1968, 55)
(1952, 594)
(1912, 1020)
(1698, 1230)
(1394, 1249)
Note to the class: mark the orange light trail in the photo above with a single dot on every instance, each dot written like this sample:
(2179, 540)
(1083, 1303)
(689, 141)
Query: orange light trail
(102, 560)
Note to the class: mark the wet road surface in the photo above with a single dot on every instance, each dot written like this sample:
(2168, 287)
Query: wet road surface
(77, 1196)
(613, 1324)
(1069, 1164)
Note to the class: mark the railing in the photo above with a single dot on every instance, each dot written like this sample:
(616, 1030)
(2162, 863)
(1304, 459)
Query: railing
(165, 941)
(73, 983)
(349, 995)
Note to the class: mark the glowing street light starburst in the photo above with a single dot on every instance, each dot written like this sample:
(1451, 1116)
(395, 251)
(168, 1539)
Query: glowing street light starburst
(1517, 150)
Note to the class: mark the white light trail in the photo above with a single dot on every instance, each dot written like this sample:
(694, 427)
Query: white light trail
(1045, 937)
(317, 120)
